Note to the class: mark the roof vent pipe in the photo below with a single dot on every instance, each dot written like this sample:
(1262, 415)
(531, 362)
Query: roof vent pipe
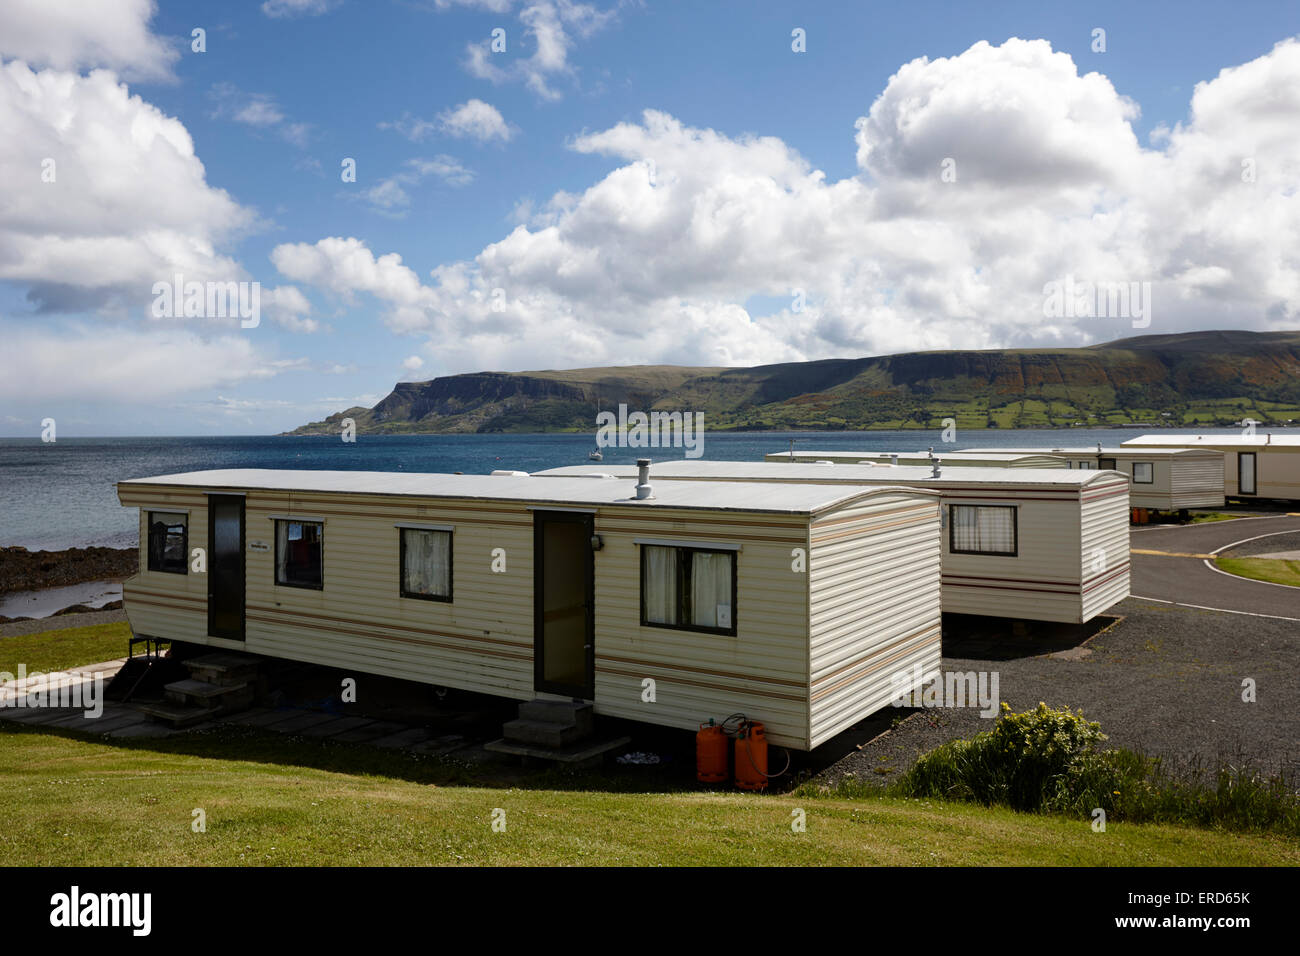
(643, 479)
(893, 459)
(934, 472)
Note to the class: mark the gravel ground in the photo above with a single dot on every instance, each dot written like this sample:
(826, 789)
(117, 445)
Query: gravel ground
(1164, 681)
(1269, 545)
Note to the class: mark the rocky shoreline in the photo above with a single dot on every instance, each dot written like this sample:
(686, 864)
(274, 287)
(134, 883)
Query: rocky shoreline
(22, 570)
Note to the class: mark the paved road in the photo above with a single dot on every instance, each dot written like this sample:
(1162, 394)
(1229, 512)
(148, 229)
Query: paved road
(1180, 574)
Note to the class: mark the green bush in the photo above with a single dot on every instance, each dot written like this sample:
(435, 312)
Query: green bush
(1047, 760)
(1023, 762)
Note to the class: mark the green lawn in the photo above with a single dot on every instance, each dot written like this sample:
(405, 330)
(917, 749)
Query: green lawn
(268, 800)
(55, 650)
(1274, 570)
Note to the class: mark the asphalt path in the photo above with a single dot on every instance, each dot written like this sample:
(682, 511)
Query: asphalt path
(1173, 565)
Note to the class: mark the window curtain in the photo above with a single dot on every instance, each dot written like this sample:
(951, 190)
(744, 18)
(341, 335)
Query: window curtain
(710, 588)
(987, 530)
(659, 584)
(428, 562)
(281, 551)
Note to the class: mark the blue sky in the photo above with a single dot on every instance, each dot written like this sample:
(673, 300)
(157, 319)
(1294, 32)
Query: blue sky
(615, 236)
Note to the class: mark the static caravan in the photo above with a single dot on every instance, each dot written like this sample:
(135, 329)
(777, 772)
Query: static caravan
(1045, 545)
(1163, 479)
(954, 459)
(796, 605)
(1259, 466)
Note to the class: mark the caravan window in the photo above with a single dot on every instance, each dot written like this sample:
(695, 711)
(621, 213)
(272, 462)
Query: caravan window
(426, 564)
(1142, 473)
(168, 542)
(688, 588)
(299, 557)
(982, 529)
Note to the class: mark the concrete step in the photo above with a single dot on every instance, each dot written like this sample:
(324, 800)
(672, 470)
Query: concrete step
(565, 713)
(541, 734)
(223, 669)
(204, 694)
(177, 715)
(586, 753)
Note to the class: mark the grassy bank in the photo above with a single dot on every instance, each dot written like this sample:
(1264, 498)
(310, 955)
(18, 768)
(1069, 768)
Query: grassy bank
(1273, 570)
(55, 650)
(72, 801)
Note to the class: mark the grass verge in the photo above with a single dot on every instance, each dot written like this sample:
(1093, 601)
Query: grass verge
(48, 651)
(1273, 570)
(70, 800)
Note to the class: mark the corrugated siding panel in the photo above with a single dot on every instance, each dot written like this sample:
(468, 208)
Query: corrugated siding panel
(168, 605)
(1040, 583)
(761, 672)
(1105, 530)
(875, 605)
(1195, 482)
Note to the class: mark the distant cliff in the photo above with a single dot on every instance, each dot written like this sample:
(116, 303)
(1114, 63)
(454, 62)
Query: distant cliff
(1188, 378)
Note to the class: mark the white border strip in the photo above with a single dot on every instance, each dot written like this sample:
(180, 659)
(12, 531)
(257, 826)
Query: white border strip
(1221, 610)
(688, 543)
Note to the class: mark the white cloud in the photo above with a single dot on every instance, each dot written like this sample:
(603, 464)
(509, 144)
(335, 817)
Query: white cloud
(109, 364)
(258, 110)
(282, 9)
(475, 119)
(82, 34)
(288, 307)
(129, 204)
(654, 262)
(413, 363)
(551, 25)
(390, 196)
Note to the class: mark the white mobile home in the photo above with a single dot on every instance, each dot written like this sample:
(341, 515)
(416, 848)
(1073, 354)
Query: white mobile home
(953, 459)
(1257, 466)
(1045, 545)
(1163, 479)
(794, 604)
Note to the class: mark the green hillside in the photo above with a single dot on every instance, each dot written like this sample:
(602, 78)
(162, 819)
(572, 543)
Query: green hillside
(1194, 378)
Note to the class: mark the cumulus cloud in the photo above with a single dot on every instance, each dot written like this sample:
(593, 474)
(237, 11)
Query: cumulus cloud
(475, 119)
(103, 193)
(655, 261)
(80, 34)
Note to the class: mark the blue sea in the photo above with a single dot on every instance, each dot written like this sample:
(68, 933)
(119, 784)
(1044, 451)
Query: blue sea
(62, 494)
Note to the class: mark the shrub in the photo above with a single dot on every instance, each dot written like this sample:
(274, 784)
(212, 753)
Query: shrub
(1023, 762)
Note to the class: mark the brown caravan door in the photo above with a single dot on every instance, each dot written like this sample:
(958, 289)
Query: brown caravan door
(564, 587)
(226, 566)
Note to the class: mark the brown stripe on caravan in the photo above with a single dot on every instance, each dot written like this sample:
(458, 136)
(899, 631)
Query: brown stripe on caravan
(748, 692)
(1101, 495)
(171, 598)
(698, 670)
(396, 627)
(905, 645)
(403, 640)
(1109, 576)
(1001, 584)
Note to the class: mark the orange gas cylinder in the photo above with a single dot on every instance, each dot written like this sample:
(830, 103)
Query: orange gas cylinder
(751, 757)
(711, 754)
